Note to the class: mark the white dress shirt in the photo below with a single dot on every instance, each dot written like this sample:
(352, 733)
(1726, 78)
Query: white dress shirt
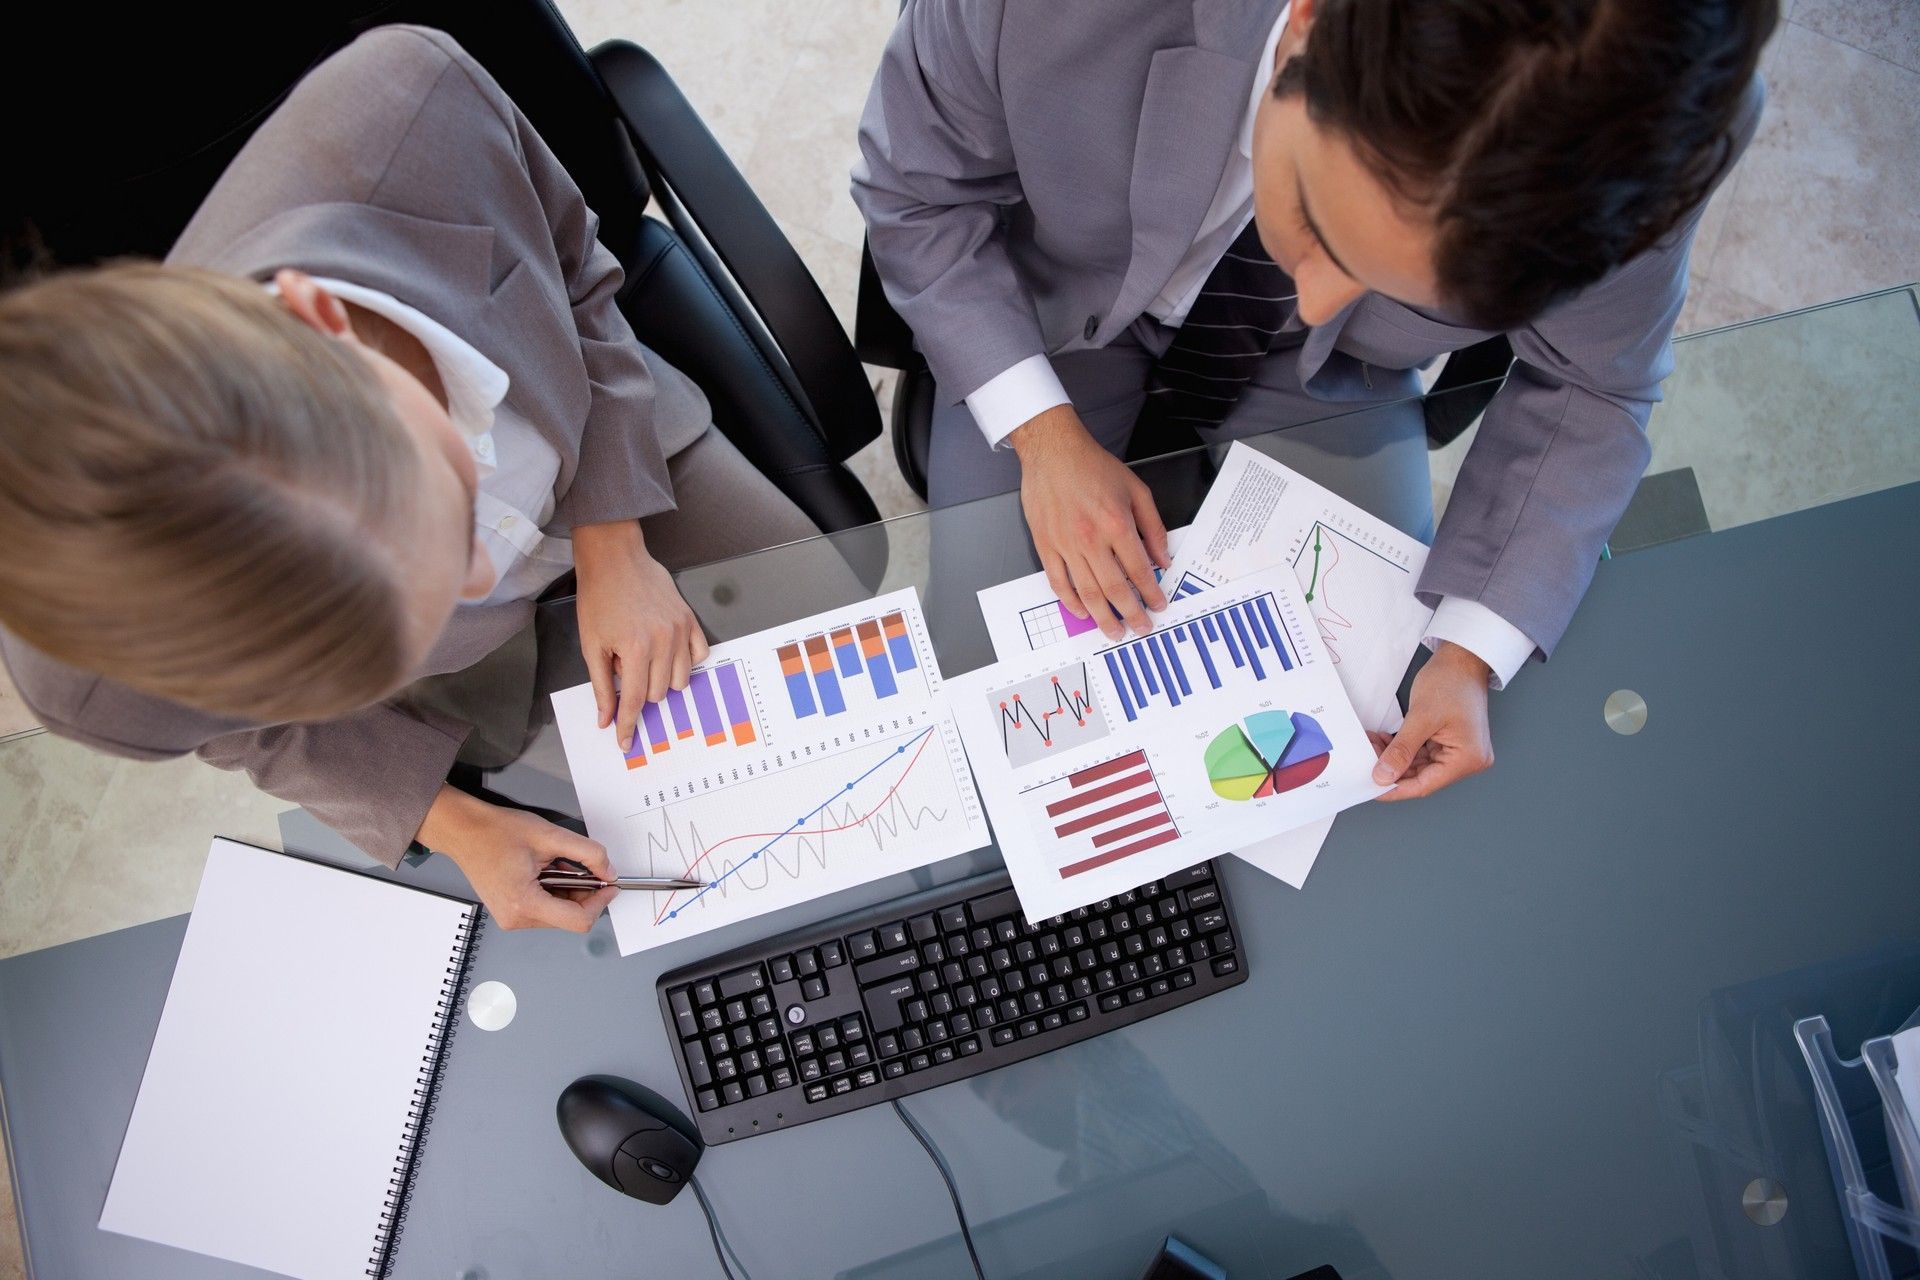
(516, 466)
(1030, 387)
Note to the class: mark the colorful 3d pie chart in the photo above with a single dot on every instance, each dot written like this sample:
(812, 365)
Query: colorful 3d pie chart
(1267, 754)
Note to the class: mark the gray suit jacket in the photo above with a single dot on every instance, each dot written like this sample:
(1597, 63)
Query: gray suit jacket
(1032, 171)
(400, 165)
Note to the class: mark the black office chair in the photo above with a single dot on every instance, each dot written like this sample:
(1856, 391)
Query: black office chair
(883, 339)
(120, 125)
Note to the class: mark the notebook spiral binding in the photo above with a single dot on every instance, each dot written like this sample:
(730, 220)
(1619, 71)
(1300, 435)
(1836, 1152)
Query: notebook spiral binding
(426, 1089)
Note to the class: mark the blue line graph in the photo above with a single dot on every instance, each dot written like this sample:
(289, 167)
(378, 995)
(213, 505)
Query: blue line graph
(801, 822)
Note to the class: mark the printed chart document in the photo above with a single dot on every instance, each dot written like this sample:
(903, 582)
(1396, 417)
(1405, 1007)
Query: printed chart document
(799, 760)
(1356, 571)
(1107, 765)
(1023, 614)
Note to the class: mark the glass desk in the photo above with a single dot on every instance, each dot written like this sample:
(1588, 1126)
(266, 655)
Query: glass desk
(1536, 1025)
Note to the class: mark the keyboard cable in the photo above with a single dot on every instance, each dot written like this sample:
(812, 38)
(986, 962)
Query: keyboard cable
(721, 1247)
(946, 1176)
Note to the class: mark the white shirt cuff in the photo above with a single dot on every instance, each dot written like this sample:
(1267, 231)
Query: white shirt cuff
(1014, 395)
(1483, 633)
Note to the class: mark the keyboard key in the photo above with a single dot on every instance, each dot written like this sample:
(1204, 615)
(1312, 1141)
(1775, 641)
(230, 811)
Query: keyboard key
(756, 1086)
(961, 1023)
(1077, 1013)
(1192, 875)
(683, 1020)
(911, 1039)
(1031, 1027)
(988, 909)
(1110, 1003)
(711, 1019)
(1199, 950)
(831, 956)
(775, 1054)
(919, 1062)
(859, 1055)
(915, 1010)
(810, 1069)
(943, 1053)
(1226, 965)
(882, 1001)
(742, 981)
(806, 963)
(732, 1093)
(750, 1060)
(1222, 943)
(887, 1045)
(1136, 994)
(718, 1043)
(698, 1069)
(1210, 921)
(781, 1077)
(1003, 1035)
(1160, 987)
(706, 1099)
(969, 1046)
(893, 936)
(782, 967)
(803, 1043)
(828, 1035)
(866, 1076)
(843, 1084)
(1183, 979)
(813, 988)
(767, 1029)
(936, 1031)
(817, 1092)
(863, 945)
(1053, 1021)
(705, 993)
(1201, 897)
(736, 1010)
(893, 965)
(742, 1037)
(850, 1028)
(923, 928)
(894, 1070)
(928, 981)
(953, 918)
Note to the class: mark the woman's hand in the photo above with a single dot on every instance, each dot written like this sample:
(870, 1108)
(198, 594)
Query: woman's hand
(638, 636)
(503, 851)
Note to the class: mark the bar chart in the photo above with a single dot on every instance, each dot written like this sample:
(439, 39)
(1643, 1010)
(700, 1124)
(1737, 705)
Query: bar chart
(854, 667)
(1242, 644)
(711, 711)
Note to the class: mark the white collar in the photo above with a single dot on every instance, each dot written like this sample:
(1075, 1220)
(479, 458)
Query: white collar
(1262, 79)
(475, 385)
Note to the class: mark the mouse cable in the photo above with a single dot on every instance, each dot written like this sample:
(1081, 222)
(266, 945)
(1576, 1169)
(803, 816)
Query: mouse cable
(721, 1248)
(946, 1176)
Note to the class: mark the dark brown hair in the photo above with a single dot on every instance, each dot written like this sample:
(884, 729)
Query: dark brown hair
(1549, 140)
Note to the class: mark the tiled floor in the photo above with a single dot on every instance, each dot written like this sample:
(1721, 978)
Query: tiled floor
(1822, 207)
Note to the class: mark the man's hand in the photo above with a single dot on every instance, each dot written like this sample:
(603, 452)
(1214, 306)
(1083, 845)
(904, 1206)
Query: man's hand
(1445, 736)
(503, 852)
(633, 623)
(1093, 522)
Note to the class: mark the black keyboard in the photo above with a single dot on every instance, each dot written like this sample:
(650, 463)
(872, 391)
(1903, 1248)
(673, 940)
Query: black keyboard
(926, 990)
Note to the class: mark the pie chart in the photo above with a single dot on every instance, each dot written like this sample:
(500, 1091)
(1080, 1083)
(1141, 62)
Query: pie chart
(1267, 754)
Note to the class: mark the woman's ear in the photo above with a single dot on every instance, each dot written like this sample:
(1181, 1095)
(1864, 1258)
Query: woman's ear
(312, 305)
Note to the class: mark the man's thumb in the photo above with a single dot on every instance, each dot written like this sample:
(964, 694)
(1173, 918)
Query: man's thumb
(1399, 753)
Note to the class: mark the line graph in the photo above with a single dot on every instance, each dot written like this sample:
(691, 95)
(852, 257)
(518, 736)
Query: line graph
(1048, 713)
(810, 827)
(1345, 581)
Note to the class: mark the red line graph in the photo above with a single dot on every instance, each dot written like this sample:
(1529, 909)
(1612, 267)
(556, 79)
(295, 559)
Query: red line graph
(1075, 703)
(711, 849)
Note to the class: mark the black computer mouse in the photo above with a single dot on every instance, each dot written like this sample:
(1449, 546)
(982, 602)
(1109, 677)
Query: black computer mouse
(629, 1141)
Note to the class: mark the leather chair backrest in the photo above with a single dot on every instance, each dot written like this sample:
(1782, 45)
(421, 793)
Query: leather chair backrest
(129, 117)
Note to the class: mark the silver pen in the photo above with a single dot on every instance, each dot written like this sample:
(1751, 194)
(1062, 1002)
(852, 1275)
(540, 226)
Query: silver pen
(565, 873)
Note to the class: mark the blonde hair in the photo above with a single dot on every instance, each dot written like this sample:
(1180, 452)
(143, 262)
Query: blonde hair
(198, 493)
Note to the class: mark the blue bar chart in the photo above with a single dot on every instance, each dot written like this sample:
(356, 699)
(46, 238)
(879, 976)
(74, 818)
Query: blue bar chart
(1242, 643)
(849, 668)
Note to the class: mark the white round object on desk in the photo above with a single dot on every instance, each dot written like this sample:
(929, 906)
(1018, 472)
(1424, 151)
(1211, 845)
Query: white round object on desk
(492, 1005)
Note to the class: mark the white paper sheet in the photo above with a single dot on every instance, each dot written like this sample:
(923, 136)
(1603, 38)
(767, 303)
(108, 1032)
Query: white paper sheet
(1357, 571)
(1024, 616)
(1104, 766)
(278, 1088)
(800, 760)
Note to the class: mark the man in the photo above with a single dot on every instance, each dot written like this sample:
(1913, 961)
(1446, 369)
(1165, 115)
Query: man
(1237, 217)
(286, 501)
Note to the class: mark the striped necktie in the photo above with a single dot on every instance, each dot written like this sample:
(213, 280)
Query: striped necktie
(1244, 303)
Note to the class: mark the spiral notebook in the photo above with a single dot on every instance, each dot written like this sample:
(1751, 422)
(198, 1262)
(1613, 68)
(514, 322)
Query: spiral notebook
(290, 1083)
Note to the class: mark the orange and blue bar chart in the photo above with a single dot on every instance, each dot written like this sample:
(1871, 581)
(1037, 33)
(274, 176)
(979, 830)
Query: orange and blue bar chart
(848, 667)
(712, 711)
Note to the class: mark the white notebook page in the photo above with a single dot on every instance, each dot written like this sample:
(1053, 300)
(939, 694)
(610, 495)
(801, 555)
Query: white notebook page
(278, 1088)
